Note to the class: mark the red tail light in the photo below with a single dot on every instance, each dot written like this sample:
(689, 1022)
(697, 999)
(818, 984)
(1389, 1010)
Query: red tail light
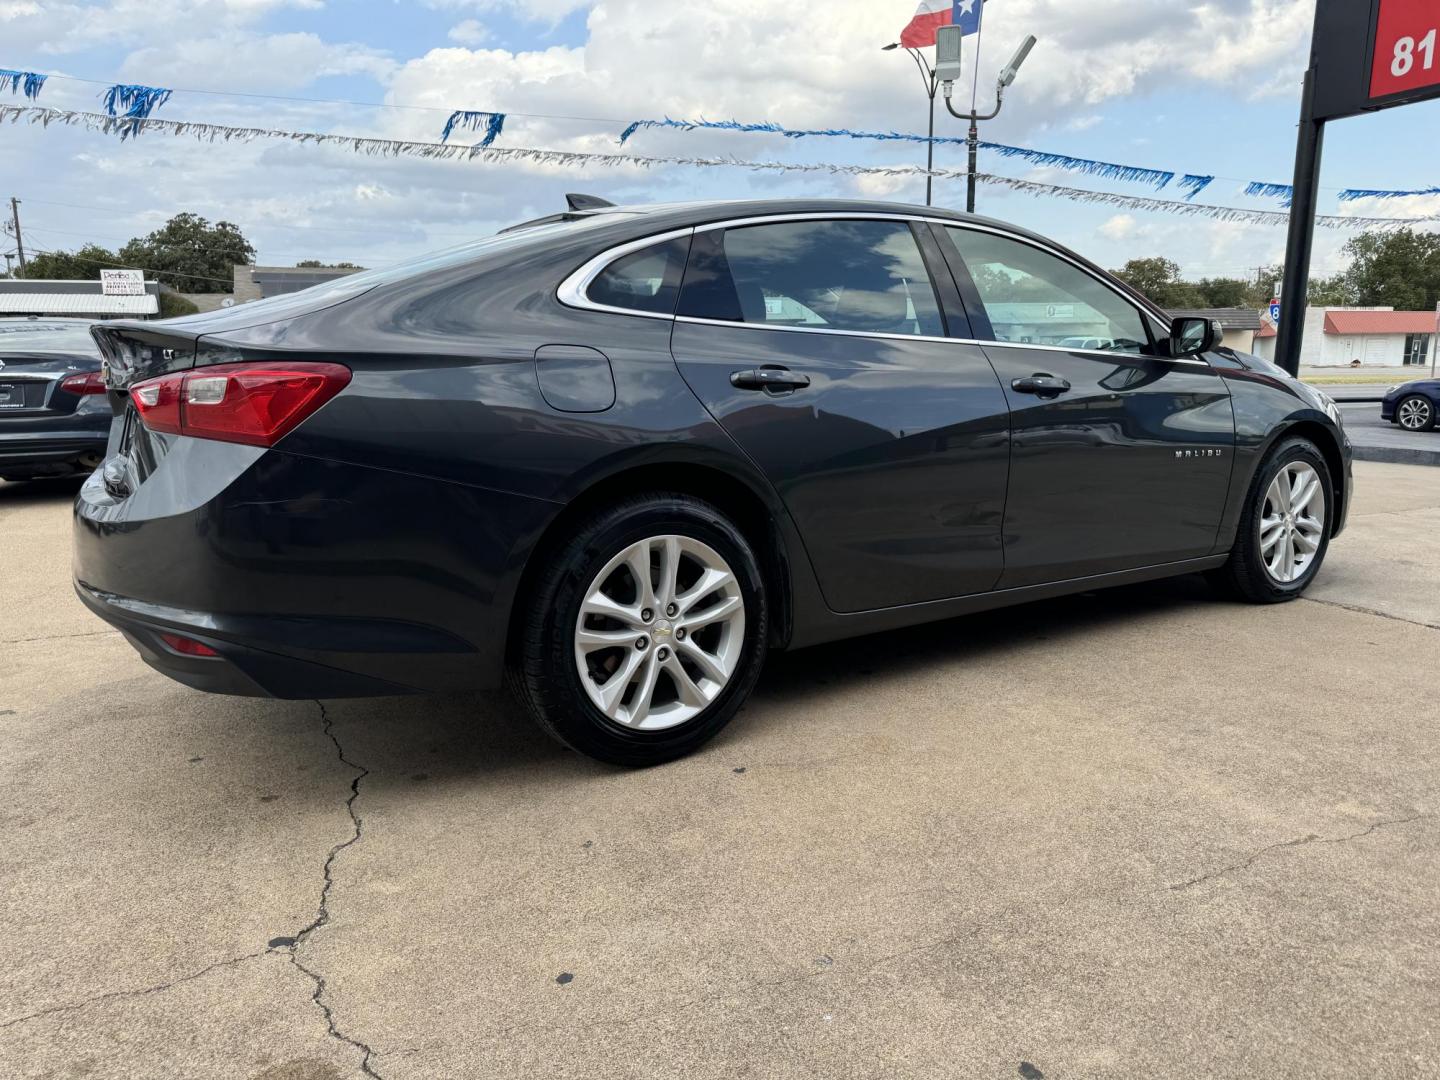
(255, 403)
(187, 646)
(92, 382)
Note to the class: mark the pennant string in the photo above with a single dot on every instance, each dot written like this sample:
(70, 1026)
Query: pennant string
(448, 151)
(1351, 194)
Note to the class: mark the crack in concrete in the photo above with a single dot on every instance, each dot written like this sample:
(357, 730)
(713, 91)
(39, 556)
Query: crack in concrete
(1299, 841)
(1371, 611)
(56, 637)
(279, 946)
(322, 912)
(158, 988)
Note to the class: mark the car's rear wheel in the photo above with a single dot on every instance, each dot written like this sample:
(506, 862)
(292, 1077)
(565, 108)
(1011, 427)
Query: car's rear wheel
(645, 633)
(1415, 413)
(1285, 527)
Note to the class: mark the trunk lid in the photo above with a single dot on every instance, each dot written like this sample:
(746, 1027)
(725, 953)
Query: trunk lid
(35, 354)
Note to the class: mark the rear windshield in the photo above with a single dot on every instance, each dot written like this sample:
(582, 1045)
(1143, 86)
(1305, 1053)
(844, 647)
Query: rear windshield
(354, 284)
(39, 336)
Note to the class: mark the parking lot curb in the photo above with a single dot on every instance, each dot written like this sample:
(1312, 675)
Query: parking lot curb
(1396, 455)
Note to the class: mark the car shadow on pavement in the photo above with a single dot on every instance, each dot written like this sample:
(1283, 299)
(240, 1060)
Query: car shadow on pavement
(30, 492)
(413, 742)
(971, 638)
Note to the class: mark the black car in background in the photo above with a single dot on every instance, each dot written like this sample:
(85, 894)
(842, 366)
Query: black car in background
(623, 452)
(1414, 406)
(54, 416)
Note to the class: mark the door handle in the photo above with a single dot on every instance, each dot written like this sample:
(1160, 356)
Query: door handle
(773, 380)
(1040, 383)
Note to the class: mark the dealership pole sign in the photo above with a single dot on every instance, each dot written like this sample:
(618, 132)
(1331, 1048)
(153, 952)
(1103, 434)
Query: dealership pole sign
(1366, 55)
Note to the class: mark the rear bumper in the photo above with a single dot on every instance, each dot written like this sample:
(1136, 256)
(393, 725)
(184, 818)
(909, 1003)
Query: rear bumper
(54, 448)
(309, 577)
(245, 664)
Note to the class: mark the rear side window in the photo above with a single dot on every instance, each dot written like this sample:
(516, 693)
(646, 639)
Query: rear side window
(863, 276)
(644, 280)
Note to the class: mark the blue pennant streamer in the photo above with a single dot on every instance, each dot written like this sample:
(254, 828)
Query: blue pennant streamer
(1158, 177)
(28, 83)
(1194, 184)
(789, 133)
(138, 102)
(493, 122)
(1351, 194)
(1257, 189)
(1108, 169)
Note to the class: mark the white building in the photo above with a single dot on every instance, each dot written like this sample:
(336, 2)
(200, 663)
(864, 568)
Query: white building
(1373, 337)
(82, 299)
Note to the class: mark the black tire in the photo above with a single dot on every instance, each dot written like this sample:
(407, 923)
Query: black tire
(1428, 425)
(1244, 576)
(543, 673)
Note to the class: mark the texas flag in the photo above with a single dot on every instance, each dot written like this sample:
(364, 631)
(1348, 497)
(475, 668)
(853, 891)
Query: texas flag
(933, 14)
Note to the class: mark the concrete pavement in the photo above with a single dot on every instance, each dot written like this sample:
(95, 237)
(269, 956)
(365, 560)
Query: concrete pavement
(1136, 833)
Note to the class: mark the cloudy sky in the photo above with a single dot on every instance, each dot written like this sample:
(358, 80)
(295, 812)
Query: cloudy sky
(1192, 87)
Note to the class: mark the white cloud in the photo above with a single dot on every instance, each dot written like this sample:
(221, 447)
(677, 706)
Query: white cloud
(542, 11)
(1119, 227)
(239, 58)
(470, 32)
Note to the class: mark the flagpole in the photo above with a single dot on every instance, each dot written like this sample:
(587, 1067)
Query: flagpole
(973, 140)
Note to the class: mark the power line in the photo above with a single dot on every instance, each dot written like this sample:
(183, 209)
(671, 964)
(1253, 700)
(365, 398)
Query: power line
(117, 264)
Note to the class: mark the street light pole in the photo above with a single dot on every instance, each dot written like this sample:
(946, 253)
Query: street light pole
(1007, 76)
(931, 84)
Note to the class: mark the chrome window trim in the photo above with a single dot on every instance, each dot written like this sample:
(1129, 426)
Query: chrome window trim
(1108, 355)
(696, 320)
(572, 290)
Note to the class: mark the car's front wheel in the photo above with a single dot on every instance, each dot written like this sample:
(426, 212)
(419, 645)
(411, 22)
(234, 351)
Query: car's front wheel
(1415, 413)
(644, 633)
(1285, 527)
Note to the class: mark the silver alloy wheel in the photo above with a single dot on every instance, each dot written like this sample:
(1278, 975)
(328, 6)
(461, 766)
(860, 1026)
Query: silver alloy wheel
(1292, 522)
(660, 632)
(1415, 414)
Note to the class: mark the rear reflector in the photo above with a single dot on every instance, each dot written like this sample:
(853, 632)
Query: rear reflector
(254, 403)
(92, 382)
(187, 646)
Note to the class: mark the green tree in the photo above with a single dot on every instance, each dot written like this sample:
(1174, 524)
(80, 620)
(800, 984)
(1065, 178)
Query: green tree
(316, 264)
(1400, 269)
(1226, 293)
(173, 305)
(190, 254)
(1159, 279)
(1334, 291)
(82, 265)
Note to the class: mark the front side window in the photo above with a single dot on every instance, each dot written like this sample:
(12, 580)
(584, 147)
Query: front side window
(1035, 298)
(860, 276)
(644, 280)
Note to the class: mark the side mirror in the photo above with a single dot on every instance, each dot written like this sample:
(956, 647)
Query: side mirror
(1191, 336)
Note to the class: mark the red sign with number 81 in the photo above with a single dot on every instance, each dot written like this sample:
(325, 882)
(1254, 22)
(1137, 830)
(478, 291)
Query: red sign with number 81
(1407, 53)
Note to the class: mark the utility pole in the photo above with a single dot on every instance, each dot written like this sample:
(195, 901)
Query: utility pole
(19, 243)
